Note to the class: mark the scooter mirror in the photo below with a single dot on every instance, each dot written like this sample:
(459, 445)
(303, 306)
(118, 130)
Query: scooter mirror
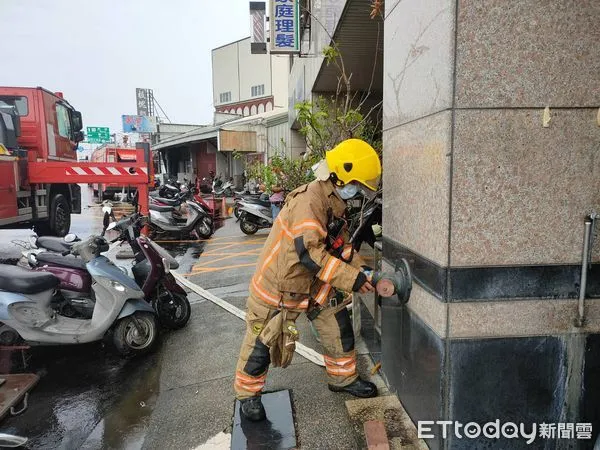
(107, 206)
(166, 265)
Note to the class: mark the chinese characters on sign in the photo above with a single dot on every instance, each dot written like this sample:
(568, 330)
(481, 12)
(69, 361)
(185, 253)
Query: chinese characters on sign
(142, 97)
(508, 430)
(97, 135)
(285, 26)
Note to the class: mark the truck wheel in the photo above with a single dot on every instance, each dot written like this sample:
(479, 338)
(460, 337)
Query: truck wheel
(130, 341)
(60, 216)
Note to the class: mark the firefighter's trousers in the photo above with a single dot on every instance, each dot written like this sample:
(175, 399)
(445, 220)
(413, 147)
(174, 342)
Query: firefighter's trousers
(337, 337)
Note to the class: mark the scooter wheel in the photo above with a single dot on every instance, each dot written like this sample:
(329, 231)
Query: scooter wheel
(248, 227)
(173, 310)
(130, 341)
(204, 228)
(236, 212)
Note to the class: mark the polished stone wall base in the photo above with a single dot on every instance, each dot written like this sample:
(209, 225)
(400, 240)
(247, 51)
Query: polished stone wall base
(529, 380)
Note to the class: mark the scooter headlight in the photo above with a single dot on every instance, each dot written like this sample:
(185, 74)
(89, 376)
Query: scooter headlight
(166, 265)
(117, 286)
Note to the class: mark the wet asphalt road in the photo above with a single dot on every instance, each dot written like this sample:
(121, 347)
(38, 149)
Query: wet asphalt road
(180, 396)
(88, 396)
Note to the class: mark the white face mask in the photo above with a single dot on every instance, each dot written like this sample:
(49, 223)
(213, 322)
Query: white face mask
(348, 191)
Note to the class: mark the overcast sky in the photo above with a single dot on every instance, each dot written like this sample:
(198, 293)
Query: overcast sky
(98, 51)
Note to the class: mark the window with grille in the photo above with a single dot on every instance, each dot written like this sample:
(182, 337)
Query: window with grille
(225, 97)
(257, 91)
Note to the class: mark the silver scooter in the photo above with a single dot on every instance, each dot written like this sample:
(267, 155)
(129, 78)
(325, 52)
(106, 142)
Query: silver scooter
(163, 221)
(120, 308)
(254, 216)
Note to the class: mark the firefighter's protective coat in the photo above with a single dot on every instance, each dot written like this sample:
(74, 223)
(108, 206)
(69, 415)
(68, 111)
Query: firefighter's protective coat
(295, 253)
(295, 270)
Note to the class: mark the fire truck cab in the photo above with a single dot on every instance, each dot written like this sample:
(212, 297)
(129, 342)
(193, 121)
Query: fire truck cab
(37, 126)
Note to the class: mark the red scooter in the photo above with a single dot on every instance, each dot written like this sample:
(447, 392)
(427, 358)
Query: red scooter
(151, 271)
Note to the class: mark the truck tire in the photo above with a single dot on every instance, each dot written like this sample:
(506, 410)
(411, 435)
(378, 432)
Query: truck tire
(60, 216)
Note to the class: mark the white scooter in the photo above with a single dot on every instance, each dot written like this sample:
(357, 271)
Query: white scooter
(254, 216)
(25, 311)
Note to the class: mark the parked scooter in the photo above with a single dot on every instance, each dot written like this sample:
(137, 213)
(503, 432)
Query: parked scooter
(53, 243)
(259, 199)
(225, 189)
(197, 220)
(168, 190)
(255, 216)
(250, 188)
(151, 271)
(26, 296)
(63, 244)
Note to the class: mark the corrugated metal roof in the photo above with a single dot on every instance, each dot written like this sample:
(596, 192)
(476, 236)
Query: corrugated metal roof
(189, 137)
(360, 41)
(267, 118)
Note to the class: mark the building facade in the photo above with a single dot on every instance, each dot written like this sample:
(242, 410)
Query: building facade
(246, 84)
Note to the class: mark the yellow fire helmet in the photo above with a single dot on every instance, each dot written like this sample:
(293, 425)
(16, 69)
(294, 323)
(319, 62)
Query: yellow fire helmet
(354, 160)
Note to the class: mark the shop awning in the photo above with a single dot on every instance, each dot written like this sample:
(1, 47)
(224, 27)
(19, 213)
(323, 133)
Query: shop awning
(126, 155)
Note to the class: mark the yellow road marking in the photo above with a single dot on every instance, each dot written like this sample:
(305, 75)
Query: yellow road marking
(217, 253)
(217, 269)
(226, 247)
(229, 256)
(221, 238)
(209, 242)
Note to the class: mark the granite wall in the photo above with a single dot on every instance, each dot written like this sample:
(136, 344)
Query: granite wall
(486, 196)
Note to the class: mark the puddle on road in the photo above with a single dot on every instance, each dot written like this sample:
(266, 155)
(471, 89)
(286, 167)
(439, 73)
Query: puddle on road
(187, 253)
(125, 425)
(87, 395)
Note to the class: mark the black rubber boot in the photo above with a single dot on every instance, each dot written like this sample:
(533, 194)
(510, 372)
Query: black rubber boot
(359, 388)
(252, 409)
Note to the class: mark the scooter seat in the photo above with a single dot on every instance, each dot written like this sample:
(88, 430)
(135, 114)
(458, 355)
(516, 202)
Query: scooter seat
(160, 208)
(168, 201)
(22, 281)
(54, 244)
(266, 204)
(59, 260)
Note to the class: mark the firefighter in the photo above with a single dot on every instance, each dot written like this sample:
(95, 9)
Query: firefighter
(306, 266)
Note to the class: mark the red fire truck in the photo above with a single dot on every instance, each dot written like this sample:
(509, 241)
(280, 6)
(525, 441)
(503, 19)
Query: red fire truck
(39, 171)
(110, 154)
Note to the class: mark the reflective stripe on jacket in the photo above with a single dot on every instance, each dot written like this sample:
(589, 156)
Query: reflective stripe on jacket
(295, 251)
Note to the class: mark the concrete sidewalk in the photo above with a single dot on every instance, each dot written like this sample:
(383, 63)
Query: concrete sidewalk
(196, 396)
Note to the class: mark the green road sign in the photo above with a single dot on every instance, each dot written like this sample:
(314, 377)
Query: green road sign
(98, 135)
